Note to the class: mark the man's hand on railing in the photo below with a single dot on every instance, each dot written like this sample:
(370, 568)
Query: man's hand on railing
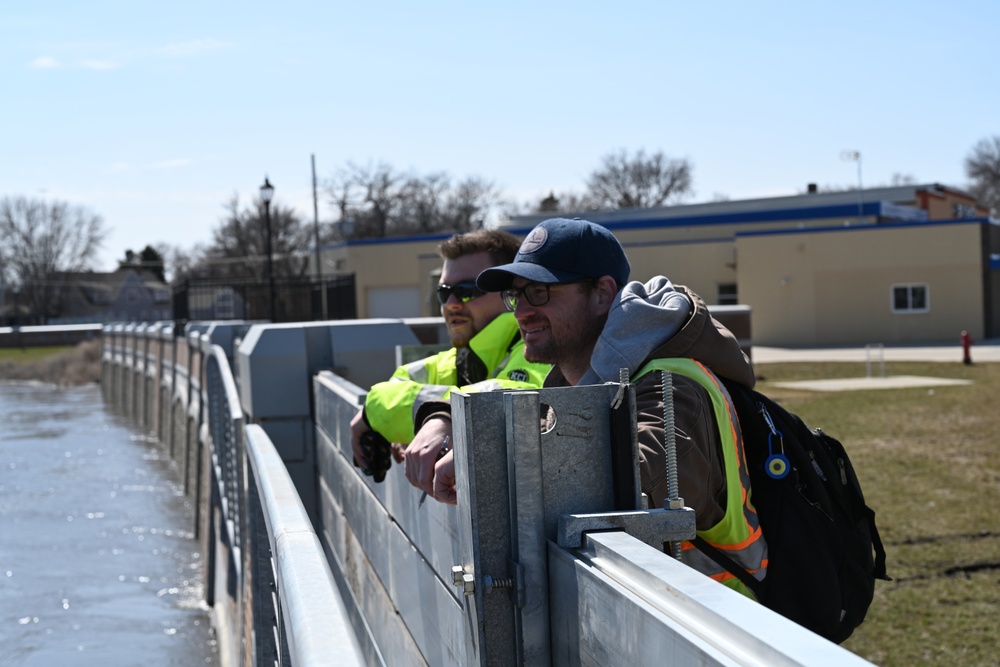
(444, 479)
(358, 428)
(424, 451)
(372, 453)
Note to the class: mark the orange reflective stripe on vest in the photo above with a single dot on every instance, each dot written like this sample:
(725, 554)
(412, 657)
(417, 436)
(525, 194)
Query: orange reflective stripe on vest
(738, 533)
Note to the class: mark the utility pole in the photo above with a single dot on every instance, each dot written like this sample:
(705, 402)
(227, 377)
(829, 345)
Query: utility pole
(319, 266)
(855, 156)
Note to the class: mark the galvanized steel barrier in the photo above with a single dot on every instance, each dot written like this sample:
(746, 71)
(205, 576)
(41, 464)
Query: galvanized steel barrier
(309, 562)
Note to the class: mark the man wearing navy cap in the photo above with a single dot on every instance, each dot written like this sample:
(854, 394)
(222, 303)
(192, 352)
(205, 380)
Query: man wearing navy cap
(412, 407)
(569, 289)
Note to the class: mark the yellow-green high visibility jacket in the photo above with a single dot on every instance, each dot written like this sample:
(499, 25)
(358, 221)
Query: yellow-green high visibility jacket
(494, 359)
(738, 533)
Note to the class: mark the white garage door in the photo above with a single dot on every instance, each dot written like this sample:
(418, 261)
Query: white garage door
(394, 302)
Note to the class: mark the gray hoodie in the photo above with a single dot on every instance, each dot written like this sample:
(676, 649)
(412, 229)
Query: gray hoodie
(658, 320)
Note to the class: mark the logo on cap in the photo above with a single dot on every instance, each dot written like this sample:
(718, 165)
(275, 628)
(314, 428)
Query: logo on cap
(535, 239)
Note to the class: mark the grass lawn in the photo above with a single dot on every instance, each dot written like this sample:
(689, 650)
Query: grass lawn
(28, 355)
(68, 365)
(929, 464)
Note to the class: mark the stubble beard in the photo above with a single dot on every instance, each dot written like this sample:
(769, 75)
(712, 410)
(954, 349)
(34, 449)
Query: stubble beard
(571, 350)
(460, 337)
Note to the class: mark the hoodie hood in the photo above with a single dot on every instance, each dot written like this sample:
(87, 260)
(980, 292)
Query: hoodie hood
(659, 320)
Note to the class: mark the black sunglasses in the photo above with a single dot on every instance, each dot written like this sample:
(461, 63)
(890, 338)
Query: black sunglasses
(464, 291)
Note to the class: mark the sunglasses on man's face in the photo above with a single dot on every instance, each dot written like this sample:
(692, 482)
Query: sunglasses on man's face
(464, 291)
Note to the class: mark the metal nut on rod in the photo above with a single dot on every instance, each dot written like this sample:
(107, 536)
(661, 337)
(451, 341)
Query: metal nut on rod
(468, 584)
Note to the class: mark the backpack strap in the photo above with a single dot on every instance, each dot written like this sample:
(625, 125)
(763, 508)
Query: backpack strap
(879, 571)
(724, 561)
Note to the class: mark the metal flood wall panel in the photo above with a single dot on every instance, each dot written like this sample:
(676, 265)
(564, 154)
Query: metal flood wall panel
(614, 600)
(276, 362)
(362, 350)
(519, 479)
(394, 556)
(618, 601)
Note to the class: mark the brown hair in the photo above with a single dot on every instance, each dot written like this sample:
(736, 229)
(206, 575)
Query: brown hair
(501, 246)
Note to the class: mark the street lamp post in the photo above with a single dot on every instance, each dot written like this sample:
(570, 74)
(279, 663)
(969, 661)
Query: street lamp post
(266, 194)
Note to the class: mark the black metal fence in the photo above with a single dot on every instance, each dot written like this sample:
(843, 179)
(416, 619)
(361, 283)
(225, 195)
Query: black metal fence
(294, 300)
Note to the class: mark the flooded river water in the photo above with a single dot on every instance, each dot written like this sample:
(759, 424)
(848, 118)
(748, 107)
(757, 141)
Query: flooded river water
(98, 561)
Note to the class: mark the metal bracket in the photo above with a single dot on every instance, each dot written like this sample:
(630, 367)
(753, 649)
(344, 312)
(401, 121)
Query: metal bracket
(654, 527)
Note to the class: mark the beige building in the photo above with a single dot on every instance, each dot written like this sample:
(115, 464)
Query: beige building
(917, 263)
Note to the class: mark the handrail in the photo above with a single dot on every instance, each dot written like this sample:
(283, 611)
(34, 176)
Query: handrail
(225, 423)
(314, 618)
(232, 394)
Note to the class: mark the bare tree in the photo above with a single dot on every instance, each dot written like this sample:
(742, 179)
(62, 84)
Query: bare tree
(38, 239)
(899, 178)
(563, 202)
(420, 203)
(638, 181)
(148, 259)
(982, 166)
(368, 199)
(469, 204)
(239, 243)
(378, 201)
(183, 264)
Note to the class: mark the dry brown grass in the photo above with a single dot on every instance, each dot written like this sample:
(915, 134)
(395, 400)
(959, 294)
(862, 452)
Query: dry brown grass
(929, 463)
(64, 366)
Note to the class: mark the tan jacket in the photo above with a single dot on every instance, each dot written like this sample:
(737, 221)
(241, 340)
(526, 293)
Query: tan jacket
(695, 335)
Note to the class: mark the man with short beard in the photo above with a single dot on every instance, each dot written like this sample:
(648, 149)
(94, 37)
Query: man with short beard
(412, 407)
(569, 289)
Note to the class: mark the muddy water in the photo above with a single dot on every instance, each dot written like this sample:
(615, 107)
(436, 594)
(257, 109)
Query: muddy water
(98, 561)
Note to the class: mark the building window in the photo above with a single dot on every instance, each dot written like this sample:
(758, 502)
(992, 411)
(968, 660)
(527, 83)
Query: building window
(727, 295)
(911, 298)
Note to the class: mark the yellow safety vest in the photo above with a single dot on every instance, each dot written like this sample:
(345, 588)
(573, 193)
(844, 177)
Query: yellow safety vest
(391, 406)
(738, 534)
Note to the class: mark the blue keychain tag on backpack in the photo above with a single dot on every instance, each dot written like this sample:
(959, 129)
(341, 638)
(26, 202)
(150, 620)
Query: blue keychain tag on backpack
(776, 465)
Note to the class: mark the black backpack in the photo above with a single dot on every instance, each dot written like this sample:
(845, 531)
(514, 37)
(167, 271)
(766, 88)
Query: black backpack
(824, 551)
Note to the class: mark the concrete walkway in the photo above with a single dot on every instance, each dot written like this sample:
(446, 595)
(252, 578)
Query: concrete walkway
(860, 383)
(985, 351)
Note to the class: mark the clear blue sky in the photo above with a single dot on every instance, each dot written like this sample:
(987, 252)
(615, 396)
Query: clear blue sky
(153, 115)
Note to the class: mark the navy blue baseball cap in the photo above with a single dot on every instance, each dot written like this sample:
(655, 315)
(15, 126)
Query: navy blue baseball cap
(560, 250)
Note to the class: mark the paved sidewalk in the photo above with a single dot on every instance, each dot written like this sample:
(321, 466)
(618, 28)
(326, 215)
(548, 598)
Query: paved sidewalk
(986, 351)
(854, 384)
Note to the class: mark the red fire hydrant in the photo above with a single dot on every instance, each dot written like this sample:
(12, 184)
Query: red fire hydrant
(966, 344)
